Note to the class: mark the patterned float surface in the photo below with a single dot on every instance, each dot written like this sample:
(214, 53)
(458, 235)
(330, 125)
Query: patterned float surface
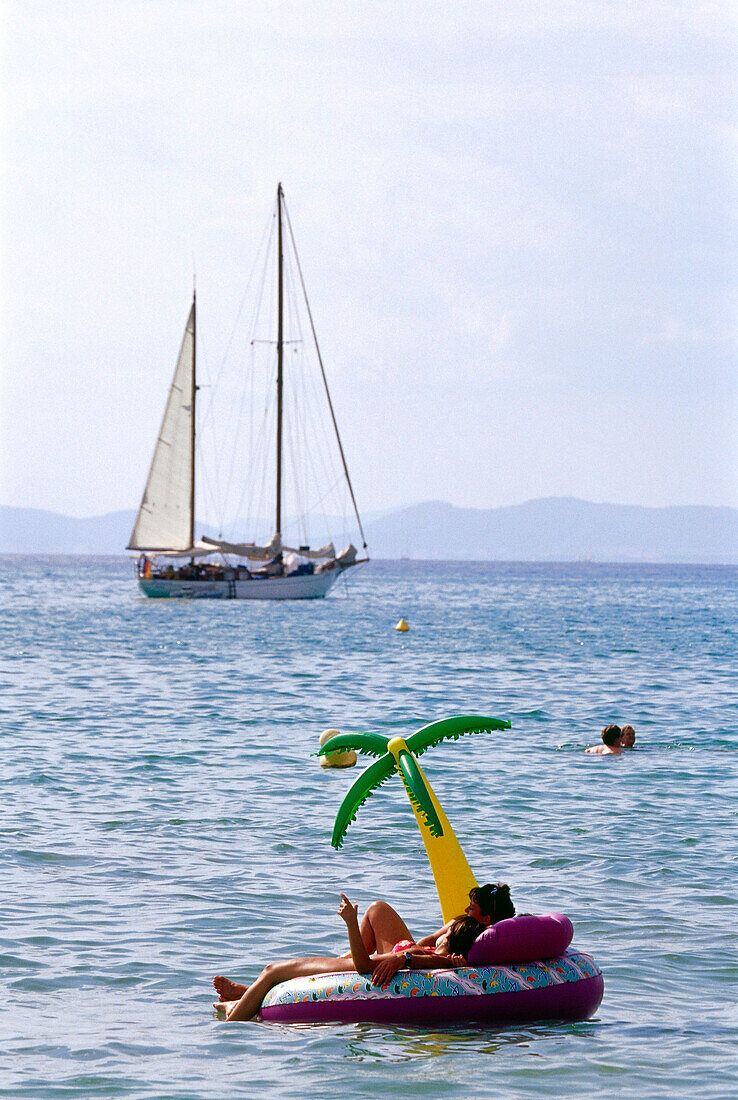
(568, 987)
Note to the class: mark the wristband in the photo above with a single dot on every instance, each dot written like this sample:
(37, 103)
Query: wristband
(408, 958)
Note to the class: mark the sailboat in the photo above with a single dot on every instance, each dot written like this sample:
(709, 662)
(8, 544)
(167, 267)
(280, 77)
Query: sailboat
(171, 561)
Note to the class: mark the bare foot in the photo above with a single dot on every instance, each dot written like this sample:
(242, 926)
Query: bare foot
(228, 990)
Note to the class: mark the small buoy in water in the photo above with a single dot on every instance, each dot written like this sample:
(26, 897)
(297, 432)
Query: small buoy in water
(402, 626)
(345, 759)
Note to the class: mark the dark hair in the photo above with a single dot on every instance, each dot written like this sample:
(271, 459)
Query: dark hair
(462, 934)
(493, 901)
(611, 734)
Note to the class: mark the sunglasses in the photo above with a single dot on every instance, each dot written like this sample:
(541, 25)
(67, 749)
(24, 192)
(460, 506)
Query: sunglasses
(474, 894)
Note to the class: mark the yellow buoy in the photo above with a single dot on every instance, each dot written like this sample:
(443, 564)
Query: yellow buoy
(335, 759)
(402, 626)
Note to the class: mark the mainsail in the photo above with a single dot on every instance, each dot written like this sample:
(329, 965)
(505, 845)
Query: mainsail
(166, 516)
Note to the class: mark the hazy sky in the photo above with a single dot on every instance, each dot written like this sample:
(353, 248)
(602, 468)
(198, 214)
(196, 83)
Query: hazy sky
(516, 222)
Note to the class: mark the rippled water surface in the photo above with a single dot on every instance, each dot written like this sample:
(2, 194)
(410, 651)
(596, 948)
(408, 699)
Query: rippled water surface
(162, 820)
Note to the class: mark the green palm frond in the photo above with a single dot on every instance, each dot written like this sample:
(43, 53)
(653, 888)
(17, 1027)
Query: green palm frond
(418, 793)
(373, 744)
(453, 728)
(358, 793)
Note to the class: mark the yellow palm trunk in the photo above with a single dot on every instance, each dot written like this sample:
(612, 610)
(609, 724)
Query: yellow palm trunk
(453, 875)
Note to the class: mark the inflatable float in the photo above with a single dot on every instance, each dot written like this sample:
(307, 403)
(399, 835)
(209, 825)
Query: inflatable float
(491, 991)
(520, 970)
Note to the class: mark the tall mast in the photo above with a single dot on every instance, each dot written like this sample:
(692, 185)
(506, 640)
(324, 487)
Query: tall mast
(280, 351)
(192, 426)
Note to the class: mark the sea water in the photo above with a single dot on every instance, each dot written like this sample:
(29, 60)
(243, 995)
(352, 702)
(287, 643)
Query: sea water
(163, 819)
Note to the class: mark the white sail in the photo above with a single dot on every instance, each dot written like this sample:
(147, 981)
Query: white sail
(165, 518)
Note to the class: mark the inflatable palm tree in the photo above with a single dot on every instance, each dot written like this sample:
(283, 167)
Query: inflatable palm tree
(452, 874)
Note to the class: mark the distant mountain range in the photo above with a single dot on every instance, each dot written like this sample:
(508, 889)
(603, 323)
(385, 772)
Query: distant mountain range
(549, 529)
(558, 529)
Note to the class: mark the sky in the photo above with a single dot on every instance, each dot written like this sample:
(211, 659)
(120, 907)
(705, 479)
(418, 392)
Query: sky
(515, 220)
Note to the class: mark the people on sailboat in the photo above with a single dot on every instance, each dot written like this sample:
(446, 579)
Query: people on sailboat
(273, 568)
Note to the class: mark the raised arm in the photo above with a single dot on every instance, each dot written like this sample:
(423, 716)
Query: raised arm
(359, 954)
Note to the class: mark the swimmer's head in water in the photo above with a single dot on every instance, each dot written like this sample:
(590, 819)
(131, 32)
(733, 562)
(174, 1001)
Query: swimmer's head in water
(611, 735)
(628, 736)
(491, 903)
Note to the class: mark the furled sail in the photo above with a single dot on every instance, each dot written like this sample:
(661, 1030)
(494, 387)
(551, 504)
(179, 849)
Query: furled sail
(327, 551)
(246, 549)
(165, 518)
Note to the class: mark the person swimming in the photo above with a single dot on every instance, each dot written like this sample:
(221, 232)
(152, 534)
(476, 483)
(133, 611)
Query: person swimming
(610, 742)
(449, 949)
(627, 738)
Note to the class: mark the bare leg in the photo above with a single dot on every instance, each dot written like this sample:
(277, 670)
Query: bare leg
(274, 973)
(228, 990)
(382, 927)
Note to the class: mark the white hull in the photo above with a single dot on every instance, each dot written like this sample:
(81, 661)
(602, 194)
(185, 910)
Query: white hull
(311, 586)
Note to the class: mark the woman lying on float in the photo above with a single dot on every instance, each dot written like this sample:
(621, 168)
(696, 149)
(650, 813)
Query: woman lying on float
(381, 945)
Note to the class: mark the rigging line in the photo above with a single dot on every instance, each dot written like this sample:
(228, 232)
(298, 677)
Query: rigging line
(321, 500)
(297, 376)
(267, 232)
(234, 455)
(245, 392)
(221, 492)
(293, 378)
(255, 452)
(325, 381)
(307, 491)
(305, 439)
(301, 525)
(224, 357)
(208, 485)
(302, 383)
(323, 470)
(252, 490)
(249, 487)
(263, 283)
(237, 422)
(262, 307)
(238, 492)
(208, 499)
(266, 251)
